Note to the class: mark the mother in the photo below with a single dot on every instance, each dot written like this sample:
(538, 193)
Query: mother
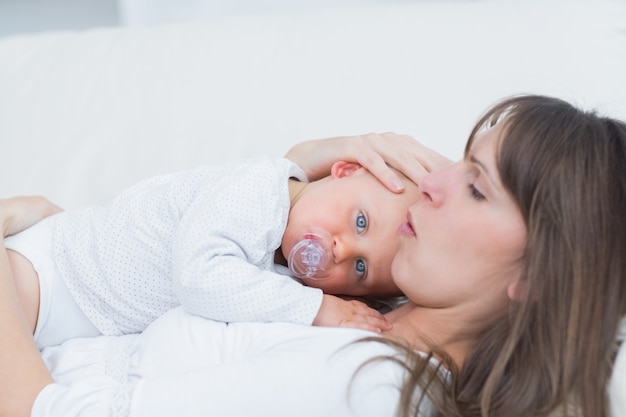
(512, 264)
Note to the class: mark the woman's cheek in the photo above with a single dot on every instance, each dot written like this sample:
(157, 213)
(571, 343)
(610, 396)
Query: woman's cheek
(402, 270)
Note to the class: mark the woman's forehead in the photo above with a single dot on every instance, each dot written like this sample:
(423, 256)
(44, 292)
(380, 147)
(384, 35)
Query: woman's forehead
(487, 141)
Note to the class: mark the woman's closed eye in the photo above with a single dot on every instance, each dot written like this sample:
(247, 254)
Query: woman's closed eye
(477, 195)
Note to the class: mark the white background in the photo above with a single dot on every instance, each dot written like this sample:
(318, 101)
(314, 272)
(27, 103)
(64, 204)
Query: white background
(31, 16)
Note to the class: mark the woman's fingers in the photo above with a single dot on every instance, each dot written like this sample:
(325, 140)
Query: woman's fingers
(406, 154)
(375, 151)
(380, 151)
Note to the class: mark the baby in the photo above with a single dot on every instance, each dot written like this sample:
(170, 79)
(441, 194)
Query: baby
(224, 241)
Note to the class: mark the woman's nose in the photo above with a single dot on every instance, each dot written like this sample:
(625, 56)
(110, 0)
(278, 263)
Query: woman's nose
(432, 187)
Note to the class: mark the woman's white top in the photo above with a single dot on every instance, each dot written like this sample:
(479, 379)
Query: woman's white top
(188, 366)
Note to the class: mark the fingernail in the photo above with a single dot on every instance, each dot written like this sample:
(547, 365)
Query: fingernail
(397, 184)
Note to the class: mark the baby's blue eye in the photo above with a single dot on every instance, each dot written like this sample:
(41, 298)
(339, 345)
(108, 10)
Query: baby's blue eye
(361, 223)
(361, 268)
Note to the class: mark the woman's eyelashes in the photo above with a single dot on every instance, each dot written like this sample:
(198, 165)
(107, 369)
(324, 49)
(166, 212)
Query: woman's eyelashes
(477, 195)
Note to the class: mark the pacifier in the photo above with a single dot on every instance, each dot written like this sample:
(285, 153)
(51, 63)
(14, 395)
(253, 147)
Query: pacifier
(312, 257)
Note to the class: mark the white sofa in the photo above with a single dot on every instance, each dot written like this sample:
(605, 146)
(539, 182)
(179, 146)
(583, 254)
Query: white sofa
(85, 114)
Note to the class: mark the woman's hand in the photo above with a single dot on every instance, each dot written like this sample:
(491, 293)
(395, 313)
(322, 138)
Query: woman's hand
(19, 213)
(373, 151)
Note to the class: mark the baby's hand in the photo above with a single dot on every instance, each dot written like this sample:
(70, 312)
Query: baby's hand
(19, 213)
(336, 312)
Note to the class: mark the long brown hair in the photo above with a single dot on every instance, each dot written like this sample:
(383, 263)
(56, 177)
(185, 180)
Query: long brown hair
(566, 169)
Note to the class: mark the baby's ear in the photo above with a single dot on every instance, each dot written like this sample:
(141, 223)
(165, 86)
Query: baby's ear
(342, 169)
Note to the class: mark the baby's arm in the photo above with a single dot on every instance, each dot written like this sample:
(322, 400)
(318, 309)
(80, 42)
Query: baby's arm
(223, 250)
(222, 285)
(336, 312)
(239, 291)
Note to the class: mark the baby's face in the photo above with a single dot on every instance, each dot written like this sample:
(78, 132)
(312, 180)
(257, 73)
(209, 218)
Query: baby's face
(362, 218)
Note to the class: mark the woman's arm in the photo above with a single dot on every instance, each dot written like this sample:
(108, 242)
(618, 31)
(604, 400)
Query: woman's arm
(373, 151)
(23, 373)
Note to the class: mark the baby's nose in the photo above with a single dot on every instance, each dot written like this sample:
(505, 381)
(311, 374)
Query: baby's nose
(343, 248)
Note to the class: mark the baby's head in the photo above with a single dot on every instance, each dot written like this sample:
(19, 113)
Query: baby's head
(353, 220)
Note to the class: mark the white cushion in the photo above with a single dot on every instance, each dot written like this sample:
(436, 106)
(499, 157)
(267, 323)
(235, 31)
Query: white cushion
(84, 114)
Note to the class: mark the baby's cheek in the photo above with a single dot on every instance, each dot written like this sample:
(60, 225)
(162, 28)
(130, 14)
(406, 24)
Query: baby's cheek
(332, 284)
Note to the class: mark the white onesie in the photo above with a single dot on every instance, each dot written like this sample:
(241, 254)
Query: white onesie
(204, 239)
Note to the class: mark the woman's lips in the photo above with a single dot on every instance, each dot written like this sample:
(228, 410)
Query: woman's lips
(406, 228)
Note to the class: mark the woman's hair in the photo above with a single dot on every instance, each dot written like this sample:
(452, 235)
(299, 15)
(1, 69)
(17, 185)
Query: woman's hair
(566, 170)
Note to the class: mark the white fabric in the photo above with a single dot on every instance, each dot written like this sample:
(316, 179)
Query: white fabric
(617, 385)
(183, 365)
(59, 317)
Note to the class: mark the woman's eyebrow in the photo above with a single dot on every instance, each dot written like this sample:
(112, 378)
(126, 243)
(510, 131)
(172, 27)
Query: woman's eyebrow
(484, 168)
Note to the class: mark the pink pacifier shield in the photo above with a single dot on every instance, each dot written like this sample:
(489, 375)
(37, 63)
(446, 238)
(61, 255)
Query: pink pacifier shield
(311, 257)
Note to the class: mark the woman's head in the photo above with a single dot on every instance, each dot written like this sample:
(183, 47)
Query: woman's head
(462, 244)
(566, 171)
(560, 179)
